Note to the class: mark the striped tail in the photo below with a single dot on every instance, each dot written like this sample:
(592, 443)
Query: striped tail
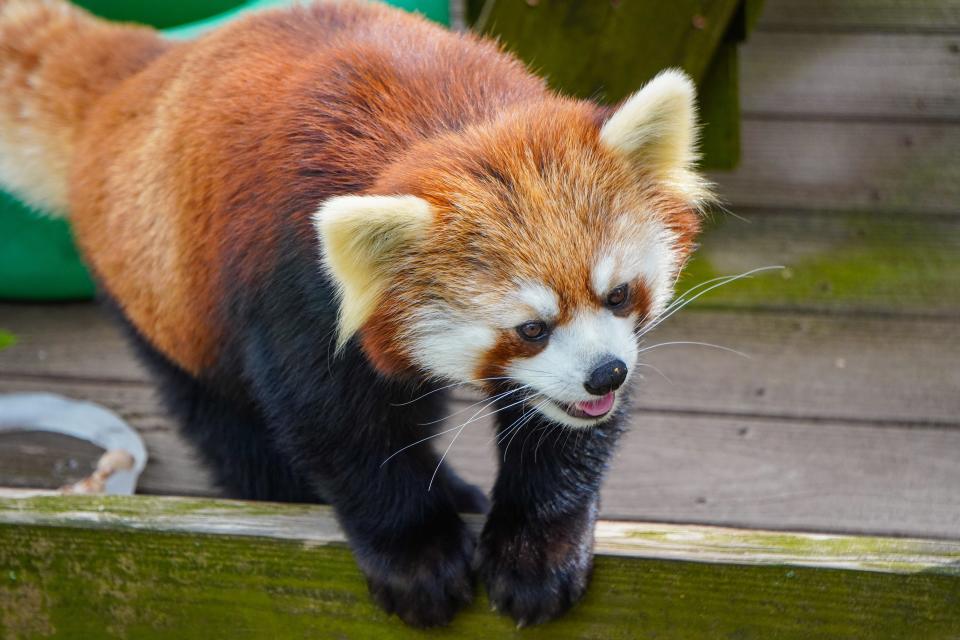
(56, 61)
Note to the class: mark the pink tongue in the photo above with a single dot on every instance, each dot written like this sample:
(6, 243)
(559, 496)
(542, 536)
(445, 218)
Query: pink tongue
(597, 407)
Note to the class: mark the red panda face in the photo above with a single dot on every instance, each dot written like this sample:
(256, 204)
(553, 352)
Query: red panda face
(526, 254)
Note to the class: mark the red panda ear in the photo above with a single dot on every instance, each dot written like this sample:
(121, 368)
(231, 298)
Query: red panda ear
(362, 238)
(656, 128)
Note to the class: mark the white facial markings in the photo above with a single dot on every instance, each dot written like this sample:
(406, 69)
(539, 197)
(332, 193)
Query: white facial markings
(529, 301)
(449, 345)
(541, 298)
(575, 348)
(603, 274)
(645, 250)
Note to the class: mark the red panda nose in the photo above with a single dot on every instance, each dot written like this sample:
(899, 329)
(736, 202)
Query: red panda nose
(606, 378)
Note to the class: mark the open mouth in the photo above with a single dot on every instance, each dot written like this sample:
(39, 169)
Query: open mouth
(591, 409)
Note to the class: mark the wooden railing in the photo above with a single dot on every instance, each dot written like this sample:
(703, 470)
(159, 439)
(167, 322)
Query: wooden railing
(144, 567)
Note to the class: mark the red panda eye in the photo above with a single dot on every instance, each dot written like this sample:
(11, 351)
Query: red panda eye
(533, 331)
(618, 296)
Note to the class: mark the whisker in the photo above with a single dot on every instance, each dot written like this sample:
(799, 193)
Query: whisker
(498, 396)
(674, 308)
(531, 415)
(473, 418)
(524, 419)
(650, 366)
(546, 433)
(699, 344)
(413, 444)
(449, 386)
(445, 431)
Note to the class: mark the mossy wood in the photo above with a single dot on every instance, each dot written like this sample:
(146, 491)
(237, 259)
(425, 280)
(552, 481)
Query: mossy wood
(607, 49)
(137, 567)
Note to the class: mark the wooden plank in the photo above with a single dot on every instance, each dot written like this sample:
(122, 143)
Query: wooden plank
(806, 366)
(77, 340)
(844, 362)
(739, 470)
(851, 75)
(719, 97)
(863, 166)
(168, 568)
(837, 262)
(622, 44)
(938, 16)
(763, 472)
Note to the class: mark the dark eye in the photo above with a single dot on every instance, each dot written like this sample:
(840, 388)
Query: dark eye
(533, 331)
(618, 296)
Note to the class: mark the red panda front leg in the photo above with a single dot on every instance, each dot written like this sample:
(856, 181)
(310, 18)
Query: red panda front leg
(340, 427)
(536, 550)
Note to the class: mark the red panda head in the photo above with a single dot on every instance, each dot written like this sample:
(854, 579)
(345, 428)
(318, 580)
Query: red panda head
(526, 251)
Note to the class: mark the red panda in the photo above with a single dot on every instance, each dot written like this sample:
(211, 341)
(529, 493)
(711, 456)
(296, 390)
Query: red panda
(313, 221)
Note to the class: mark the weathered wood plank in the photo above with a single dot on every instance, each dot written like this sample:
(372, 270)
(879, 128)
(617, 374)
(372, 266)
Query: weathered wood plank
(851, 75)
(74, 339)
(165, 568)
(316, 525)
(623, 44)
(620, 46)
(837, 262)
(763, 472)
(864, 166)
(844, 362)
(760, 472)
(936, 16)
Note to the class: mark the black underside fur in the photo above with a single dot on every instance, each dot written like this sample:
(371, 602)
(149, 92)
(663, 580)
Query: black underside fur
(284, 418)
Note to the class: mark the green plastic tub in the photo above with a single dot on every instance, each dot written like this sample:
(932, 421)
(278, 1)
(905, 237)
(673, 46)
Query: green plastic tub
(38, 259)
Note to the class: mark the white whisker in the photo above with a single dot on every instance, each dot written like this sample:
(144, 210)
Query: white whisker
(699, 344)
(674, 307)
(498, 396)
(650, 366)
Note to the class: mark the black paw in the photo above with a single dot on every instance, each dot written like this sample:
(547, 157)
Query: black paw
(425, 581)
(533, 576)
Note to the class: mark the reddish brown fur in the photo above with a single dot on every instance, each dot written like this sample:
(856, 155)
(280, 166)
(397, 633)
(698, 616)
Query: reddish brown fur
(541, 161)
(191, 162)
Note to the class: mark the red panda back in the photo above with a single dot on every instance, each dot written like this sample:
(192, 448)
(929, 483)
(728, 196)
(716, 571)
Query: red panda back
(189, 173)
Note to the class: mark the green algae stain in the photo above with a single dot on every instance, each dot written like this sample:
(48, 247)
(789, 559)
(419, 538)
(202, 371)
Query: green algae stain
(840, 262)
(142, 584)
(7, 339)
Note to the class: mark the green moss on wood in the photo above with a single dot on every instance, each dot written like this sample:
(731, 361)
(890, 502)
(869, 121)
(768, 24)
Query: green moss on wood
(720, 110)
(834, 262)
(75, 567)
(7, 339)
(74, 583)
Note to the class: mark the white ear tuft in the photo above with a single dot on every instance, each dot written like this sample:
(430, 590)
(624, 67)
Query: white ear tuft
(656, 128)
(362, 238)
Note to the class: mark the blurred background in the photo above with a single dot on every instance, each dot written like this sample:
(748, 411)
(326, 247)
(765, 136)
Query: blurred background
(833, 134)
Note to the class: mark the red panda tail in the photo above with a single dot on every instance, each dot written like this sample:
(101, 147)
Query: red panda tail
(56, 61)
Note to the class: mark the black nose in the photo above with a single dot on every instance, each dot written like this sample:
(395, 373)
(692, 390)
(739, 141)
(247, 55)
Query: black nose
(606, 378)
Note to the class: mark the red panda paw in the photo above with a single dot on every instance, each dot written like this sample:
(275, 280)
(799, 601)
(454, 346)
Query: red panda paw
(427, 585)
(530, 575)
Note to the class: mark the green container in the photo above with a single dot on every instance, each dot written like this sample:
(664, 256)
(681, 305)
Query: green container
(38, 259)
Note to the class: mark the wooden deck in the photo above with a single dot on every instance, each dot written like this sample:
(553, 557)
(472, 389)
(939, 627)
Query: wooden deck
(846, 417)
(836, 423)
